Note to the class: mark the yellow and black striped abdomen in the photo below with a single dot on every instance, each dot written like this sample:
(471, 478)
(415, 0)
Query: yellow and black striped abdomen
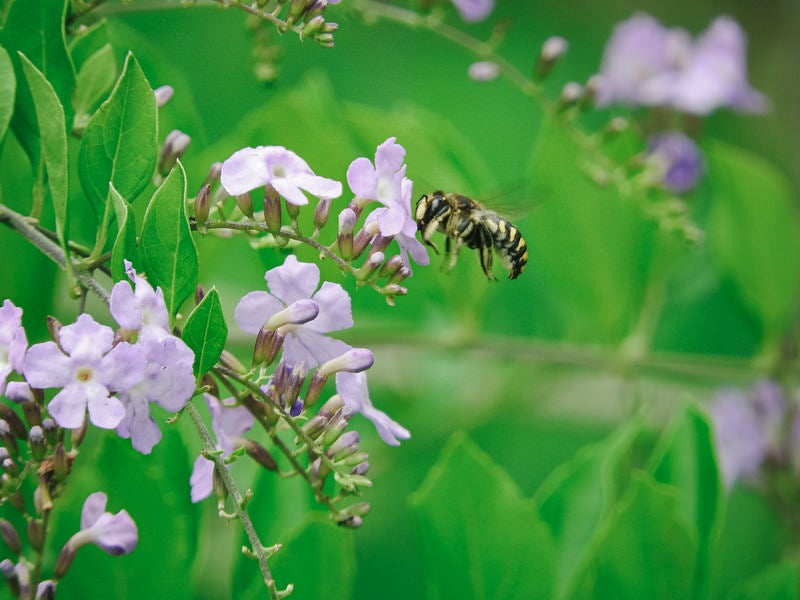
(509, 243)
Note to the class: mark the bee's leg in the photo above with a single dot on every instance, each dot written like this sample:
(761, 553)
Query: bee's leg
(485, 254)
(452, 246)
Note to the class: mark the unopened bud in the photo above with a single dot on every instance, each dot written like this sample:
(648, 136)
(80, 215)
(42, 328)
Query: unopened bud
(19, 392)
(258, 453)
(33, 413)
(60, 462)
(291, 390)
(272, 209)
(361, 241)
(315, 385)
(42, 501)
(163, 95)
(592, 89)
(370, 266)
(15, 424)
(7, 438)
(391, 266)
(37, 443)
(351, 522)
(314, 426)
(393, 289)
(553, 49)
(325, 40)
(312, 26)
(321, 213)
(297, 313)
(617, 125)
(227, 359)
(76, 435)
(10, 536)
(9, 466)
(36, 534)
(361, 468)
(175, 144)
(353, 360)
(345, 446)
(331, 407)
(54, 329)
(571, 94)
(268, 345)
(214, 171)
(380, 243)
(483, 70)
(64, 560)
(356, 510)
(50, 430)
(46, 590)
(245, 204)
(202, 203)
(10, 575)
(401, 274)
(347, 221)
(334, 428)
(218, 486)
(296, 9)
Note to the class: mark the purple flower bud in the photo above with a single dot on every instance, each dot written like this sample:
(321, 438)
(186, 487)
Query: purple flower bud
(163, 95)
(297, 313)
(677, 160)
(474, 10)
(354, 360)
(483, 70)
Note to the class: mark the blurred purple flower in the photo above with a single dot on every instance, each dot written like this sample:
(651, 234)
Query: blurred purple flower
(677, 159)
(114, 534)
(89, 369)
(13, 341)
(227, 422)
(140, 308)
(637, 58)
(304, 343)
(250, 168)
(474, 10)
(352, 387)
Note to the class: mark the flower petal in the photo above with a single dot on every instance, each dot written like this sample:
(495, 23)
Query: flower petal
(201, 480)
(335, 309)
(45, 366)
(254, 309)
(293, 280)
(105, 411)
(245, 170)
(68, 407)
(362, 179)
(93, 507)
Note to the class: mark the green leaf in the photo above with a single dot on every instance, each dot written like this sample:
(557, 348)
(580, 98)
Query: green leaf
(86, 41)
(645, 549)
(590, 247)
(480, 537)
(124, 247)
(8, 86)
(754, 236)
(776, 582)
(36, 29)
(166, 245)
(205, 332)
(53, 132)
(96, 76)
(119, 144)
(318, 559)
(580, 495)
(685, 459)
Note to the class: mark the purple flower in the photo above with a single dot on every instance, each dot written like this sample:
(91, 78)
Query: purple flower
(677, 159)
(715, 75)
(168, 381)
(352, 388)
(227, 422)
(89, 369)
(12, 341)
(305, 343)
(114, 534)
(639, 56)
(474, 10)
(141, 309)
(747, 430)
(250, 168)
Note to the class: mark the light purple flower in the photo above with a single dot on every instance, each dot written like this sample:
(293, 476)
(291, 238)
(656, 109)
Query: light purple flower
(140, 308)
(250, 168)
(677, 159)
(168, 381)
(114, 534)
(227, 422)
(474, 10)
(88, 370)
(352, 388)
(747, 430)
(13, 341)
(304, 343)
(715, 76)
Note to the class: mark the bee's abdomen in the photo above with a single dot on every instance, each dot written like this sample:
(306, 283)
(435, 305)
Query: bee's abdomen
(509, 244)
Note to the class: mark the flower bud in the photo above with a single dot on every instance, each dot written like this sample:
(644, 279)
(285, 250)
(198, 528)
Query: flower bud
(345, 446)
(213, 174)
(592, 88)
(202, 203)
(64, 560)
(272, 209)
(353, 360)
(175, 144)
(552, 50)
(355, 510)
(37, 443)
(268, 345)
(571, 94)
(245, 204)
(312, 26)
(260, 454)
(291, 390)
(331, 407)
(8, 439)
(54, 329)
(50, 430)
(36, 534)
(321, 213)
(334, 428)
(227, 359)
(297, 313)
(10, 575)
(19, 391)
(61, 464)
(9, 466)
(33, 413)
(76, 435)
(15, 424)
(391, 266)
(361, 468)
(42, 501)
(163, 95)
(325, 40)
(347, 221)
(483, 70)
(402, 273)
(362, 240)
(46, 590)
(353, 522)
(370, 266)
(10, 536)
(314, 426)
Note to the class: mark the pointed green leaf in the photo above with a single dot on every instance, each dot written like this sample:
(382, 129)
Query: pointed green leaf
(480, 537)
(53, 132)
(685, 459)
(95, 78)
(205, 332)
(645, 549)
(754, 236)
(8, 87)
(119, 144)
(87, 40)
(166, 246)
(124, 247)
(36, 29)
(576, 499)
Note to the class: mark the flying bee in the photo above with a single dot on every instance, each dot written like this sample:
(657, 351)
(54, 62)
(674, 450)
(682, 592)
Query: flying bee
(465, 221)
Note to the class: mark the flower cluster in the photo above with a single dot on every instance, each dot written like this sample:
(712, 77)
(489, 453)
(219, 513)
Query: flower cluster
(113, 377)
(755, 430)
(647, 64)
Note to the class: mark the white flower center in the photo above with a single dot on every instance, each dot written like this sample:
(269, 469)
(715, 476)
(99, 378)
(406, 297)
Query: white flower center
(84, 374)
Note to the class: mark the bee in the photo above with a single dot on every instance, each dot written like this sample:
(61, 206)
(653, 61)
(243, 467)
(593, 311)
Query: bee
(465, 221)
